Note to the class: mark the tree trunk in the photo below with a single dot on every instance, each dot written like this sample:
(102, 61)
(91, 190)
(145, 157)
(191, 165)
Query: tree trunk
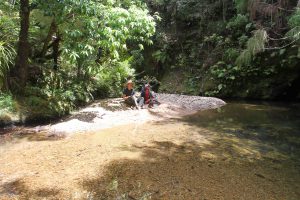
(52, 30)
(79, 66)
(23, 45)
(224, 3)
(56, 52)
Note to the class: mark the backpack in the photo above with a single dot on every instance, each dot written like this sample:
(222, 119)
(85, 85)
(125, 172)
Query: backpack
(147, 96)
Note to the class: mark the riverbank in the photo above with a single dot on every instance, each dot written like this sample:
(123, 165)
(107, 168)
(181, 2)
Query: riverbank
(109, 113)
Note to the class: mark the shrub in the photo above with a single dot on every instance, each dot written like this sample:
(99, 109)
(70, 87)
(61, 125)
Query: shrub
(8, 109)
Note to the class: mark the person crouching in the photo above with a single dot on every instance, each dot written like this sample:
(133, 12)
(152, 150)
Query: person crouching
(149, 96)
(129, 96)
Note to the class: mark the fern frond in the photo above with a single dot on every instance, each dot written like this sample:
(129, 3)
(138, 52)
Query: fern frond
(255, 45)
(244, 58)
(294, 33)
(7, 55)
(241, 5)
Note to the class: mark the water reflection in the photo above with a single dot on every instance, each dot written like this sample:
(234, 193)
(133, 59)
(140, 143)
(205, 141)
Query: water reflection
(22, 134)
(271, 125)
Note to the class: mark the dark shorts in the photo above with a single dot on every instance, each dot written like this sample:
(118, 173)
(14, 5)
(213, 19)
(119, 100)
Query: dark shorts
(133, 101)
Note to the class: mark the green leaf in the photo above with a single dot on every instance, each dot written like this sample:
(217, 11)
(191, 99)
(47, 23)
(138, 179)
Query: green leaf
(282, 51)
(220, 86)
(141, 47)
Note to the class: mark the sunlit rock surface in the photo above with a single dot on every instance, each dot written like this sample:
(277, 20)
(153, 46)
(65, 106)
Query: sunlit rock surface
(112, 112)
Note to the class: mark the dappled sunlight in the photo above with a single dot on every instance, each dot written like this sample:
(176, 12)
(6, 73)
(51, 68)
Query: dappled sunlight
(122, 100)
(186, 171)
(18, 187)
(210, 155)
(108, 113)
(269, 130)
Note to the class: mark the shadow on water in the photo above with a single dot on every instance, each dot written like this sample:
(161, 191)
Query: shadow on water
(271, 126)
(18, 187)
(168, 170)
(252, 153)
(21, 134)
(216, 154)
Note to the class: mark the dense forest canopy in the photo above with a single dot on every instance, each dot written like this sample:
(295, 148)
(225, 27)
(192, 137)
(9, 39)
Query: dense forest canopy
(229, 48)
(58, 54)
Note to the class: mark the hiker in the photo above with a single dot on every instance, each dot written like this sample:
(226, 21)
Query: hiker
(149, 96)
(129, 96)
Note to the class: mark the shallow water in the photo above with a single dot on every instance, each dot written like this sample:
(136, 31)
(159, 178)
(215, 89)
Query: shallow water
(272, 126)
(275, 125)
(240, 151)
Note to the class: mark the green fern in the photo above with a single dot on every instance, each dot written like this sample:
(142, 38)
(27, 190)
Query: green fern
(7, 56)
(245, 58)
(294, 24)
(255, 45)
(160, 56)
(294, 20)
(241, 5)
(294, 33)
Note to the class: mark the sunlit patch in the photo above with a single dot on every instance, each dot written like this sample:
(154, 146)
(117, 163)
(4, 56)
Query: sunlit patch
(208, 155)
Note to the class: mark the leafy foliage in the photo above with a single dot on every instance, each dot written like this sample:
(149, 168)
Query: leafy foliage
(255, 45)
(79, 50)
(7, 56)
(241, 5)
(7, 103)
(237, 23)
(160, 56)
(294, 23)
(237, 48)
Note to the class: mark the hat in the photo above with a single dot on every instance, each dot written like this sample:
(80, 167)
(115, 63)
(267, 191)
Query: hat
(129, 82)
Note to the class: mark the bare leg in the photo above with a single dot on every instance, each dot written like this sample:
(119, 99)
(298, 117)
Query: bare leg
(135, 102)
(140, 101)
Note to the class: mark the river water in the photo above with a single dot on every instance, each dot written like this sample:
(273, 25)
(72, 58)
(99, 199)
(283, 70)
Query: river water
(264, 127)
(243, 150)
(274, 127)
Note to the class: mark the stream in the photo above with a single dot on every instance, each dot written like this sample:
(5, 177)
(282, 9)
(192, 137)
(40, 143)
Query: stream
(243, 150)
(274, 127)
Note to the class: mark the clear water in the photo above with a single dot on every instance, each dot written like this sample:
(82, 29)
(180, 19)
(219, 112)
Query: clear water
(242, 150)
(269, 127)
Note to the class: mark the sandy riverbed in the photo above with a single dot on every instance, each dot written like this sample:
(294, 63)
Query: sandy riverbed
(168, 157)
